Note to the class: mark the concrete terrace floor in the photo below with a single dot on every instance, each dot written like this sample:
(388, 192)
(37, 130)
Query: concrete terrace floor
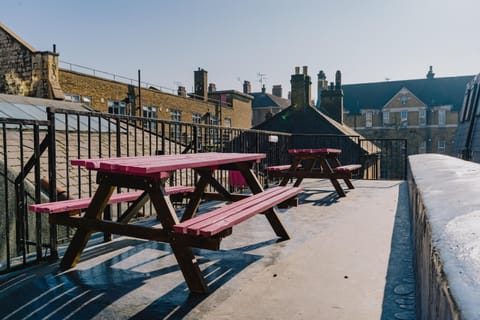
(349, 258)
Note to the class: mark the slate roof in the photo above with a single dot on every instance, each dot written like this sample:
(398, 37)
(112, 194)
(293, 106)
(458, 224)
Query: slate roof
(433, 92)
(262, 100)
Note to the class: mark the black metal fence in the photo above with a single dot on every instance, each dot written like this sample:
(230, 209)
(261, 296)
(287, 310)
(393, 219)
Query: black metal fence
(35, 165)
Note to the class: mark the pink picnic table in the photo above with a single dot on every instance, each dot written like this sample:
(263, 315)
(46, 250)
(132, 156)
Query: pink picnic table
(329, 167)
(149, 174)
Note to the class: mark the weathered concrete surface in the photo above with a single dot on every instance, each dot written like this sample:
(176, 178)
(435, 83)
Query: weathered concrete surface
(349, 258)
(444, 195)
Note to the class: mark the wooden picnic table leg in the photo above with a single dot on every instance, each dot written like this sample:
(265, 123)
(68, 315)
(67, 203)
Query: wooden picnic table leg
(183, 253)
(295, 164)
(80, 239)
(327, 169)
(347, 181)
(271, 214)
(195, 197)
(308, 168)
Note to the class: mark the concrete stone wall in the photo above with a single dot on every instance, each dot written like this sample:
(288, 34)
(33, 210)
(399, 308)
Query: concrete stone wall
(444, 201)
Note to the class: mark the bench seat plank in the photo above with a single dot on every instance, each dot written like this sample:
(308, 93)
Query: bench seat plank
(349, 167)
(218, 220)
(82, 203)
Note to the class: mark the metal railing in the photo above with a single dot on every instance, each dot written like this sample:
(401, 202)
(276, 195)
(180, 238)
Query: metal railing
(35, 165)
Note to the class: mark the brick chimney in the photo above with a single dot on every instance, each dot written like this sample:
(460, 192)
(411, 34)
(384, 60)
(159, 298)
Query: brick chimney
(332, 99)
(200, 77)
(247, 88)
(301, 91)
(181, 91)
(277, 90)
(212, 87)
(322, 84)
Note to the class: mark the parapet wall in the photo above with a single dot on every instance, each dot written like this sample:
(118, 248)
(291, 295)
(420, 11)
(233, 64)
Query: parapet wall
(445, 200)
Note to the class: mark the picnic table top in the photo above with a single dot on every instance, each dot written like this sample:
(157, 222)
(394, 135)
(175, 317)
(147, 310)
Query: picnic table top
(314, 151)
(146, 165)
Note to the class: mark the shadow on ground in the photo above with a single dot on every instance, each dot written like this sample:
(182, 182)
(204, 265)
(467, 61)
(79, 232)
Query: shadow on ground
(399, 294)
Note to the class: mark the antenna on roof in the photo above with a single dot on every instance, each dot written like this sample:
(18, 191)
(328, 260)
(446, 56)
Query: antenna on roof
(262, 77)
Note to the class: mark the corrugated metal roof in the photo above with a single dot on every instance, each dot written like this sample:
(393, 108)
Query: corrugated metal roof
(29, 108)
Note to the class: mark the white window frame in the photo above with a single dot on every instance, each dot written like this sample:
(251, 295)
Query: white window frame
(368, 119)
(422, 117)
(442, 117)
(117, 107)
(196, 117)
(403, 116)
(441, 146)
(152, 113)
(386, 117)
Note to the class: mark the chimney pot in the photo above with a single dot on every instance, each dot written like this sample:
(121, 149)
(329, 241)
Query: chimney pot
(277, 90)
(247, 88)
(305, 70)
(297, 70)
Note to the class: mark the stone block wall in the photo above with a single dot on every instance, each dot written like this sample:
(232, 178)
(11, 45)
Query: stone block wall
(15, 65)
(444, 201)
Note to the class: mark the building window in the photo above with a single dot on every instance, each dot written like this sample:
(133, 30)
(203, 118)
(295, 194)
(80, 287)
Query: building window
(442, 115)
(386, 117)
(368, 119)
(72, 97)
(150, 112)
(422, 117)
(404, 116)
(117, 107)
(228, 122)
(175, 115)
(441, 146)
(87, 100)
(176, 129)
(196, 117)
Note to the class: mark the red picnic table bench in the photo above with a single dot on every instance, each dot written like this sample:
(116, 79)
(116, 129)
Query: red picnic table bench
(304, 166)
(148, 174)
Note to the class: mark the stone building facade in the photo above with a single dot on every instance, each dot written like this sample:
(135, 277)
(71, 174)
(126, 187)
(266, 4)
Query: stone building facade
(26, 71)
(423, 111)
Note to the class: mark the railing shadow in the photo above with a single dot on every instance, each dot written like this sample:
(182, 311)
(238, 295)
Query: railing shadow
(133, 270)
(399, 293)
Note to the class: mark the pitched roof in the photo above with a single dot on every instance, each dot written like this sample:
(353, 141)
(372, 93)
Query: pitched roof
(262, 100)
(433, 92)
(309, 121)
(17, 38)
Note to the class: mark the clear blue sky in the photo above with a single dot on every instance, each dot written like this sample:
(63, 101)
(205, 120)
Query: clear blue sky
(368, 40)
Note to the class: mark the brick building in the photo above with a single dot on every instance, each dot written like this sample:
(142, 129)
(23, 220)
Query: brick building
(423, 111)
(26, 71)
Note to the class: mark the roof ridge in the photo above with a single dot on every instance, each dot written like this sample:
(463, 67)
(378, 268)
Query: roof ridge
(17, 37)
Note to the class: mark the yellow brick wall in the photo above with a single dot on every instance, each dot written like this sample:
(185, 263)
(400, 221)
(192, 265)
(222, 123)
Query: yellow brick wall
(101, 90)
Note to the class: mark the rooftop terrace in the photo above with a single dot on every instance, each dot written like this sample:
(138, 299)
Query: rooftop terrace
(349, 258)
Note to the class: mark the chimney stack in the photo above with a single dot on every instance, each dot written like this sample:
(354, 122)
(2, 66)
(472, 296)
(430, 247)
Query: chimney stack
(322, 84)
(181, 91)
(247, 88)
(200, 77)
(332, 99)
(301, 92)
(212, 87)
(277, 90)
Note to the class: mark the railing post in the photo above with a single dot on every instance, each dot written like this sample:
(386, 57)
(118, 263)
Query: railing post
(52, 159)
